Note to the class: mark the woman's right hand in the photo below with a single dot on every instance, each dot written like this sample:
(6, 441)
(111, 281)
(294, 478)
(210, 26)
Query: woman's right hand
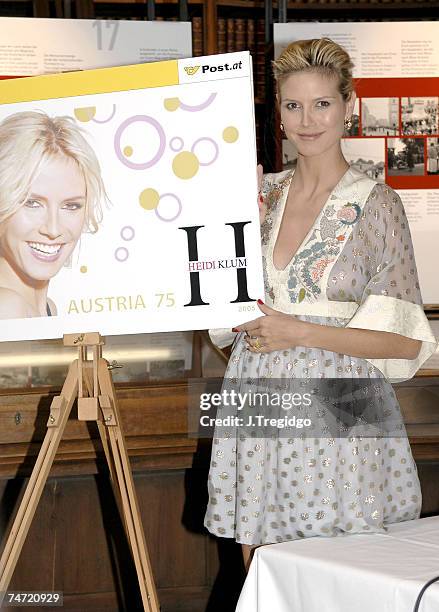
(261, 201)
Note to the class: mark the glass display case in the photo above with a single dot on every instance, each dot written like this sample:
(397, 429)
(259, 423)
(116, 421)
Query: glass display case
(139, 359)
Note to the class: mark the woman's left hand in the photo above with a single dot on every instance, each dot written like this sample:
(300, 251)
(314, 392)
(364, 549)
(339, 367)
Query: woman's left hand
(275, 331)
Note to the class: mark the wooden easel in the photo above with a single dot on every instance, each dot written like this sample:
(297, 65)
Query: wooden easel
(90, 382)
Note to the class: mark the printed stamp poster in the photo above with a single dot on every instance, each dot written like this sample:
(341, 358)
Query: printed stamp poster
(128, 199)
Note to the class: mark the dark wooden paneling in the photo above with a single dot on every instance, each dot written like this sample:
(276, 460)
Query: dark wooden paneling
(76, 544)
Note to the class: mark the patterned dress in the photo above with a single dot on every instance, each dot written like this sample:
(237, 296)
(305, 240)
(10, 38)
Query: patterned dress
(355, 268)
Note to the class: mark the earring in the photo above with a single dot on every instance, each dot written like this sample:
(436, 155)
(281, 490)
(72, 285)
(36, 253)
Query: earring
(347, 124)
(282, 127)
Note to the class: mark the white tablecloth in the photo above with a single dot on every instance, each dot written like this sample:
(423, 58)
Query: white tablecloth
(348, 573)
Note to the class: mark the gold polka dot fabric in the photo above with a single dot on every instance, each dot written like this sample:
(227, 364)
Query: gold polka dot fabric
(279, 488)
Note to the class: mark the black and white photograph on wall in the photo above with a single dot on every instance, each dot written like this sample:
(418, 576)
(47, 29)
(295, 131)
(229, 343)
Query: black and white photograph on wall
(354, 130)
(419, 115)
(433, 155)
(380, 116)
(366, 155)
(405, 156)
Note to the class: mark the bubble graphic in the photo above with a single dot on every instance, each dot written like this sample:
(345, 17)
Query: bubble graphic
(169, 196)
(176, 144)
(171, 104)
(83, 269)
(149, 199)
(109, 118)
(185, 165)
(213, 144)
(140, 119)
(85, 114)
(128, 151)
(121, 254)
(230, 134)
(193, 108)
(127, 233)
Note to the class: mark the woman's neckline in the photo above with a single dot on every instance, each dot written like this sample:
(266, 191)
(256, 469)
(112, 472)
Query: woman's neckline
(284, 198)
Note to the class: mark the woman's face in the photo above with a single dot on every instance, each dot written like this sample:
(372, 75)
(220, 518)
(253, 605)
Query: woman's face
(38, 238)
(313, 112)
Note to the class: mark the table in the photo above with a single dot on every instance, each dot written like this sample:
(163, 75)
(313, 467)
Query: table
(347, 573)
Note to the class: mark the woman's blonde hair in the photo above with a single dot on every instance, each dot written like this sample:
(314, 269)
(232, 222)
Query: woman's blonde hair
(317, 54)
(30, 139)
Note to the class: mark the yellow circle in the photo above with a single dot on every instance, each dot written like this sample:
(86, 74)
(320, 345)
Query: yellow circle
(83, 269)
(85, 114)
(185, 165)
(149, 199)
(230, 134)
(128, 151)
(171, 104)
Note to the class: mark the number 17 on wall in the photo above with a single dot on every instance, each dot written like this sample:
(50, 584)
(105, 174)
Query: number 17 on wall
(110, 37)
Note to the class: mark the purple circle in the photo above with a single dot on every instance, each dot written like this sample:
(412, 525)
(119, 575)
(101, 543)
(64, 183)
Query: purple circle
(108, 118)
(198, 107)
(179, 208)
(127, 230)
(179, 146)
(214, 144)
(118, 135)
(121, 254)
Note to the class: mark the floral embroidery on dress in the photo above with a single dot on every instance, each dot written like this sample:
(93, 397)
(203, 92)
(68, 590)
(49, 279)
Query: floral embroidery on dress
(271, 194)
(269, 290)
(310, 264)
(350, 213)
(309, 267)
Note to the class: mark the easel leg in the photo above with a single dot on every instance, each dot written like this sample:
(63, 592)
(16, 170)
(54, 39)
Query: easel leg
(60, 411)
(92, 382)
(125, 485)
(100, 397)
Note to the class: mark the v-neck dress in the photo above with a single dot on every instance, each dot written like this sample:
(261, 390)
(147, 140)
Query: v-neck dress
(355, 268)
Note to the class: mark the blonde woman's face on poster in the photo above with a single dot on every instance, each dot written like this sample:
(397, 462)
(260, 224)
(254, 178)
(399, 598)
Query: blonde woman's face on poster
(313, 112)
(38, 238)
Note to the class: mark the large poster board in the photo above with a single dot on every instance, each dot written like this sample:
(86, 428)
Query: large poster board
(395, 134)
(176, 243)
(29, 47)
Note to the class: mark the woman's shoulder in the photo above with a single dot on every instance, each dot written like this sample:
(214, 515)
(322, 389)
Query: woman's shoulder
(385, 203)
(274, 181)
(12, 304)
(384, 195)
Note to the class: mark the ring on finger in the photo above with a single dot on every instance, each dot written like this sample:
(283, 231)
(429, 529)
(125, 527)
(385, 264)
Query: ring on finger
(257, 345)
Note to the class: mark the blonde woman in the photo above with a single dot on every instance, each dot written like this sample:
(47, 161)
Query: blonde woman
(342, 301)
(50, 192)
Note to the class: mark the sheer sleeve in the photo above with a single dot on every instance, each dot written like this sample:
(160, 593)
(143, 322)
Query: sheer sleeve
(223, 337)
(391, 299)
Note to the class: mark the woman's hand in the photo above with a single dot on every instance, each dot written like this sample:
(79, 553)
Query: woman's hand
(261, 201)
(275, 331)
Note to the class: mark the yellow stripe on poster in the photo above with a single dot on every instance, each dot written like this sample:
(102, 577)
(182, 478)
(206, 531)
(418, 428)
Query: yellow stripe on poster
(82, 83)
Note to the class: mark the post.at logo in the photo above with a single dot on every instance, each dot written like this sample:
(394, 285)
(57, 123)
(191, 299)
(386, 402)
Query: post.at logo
(191, 70)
